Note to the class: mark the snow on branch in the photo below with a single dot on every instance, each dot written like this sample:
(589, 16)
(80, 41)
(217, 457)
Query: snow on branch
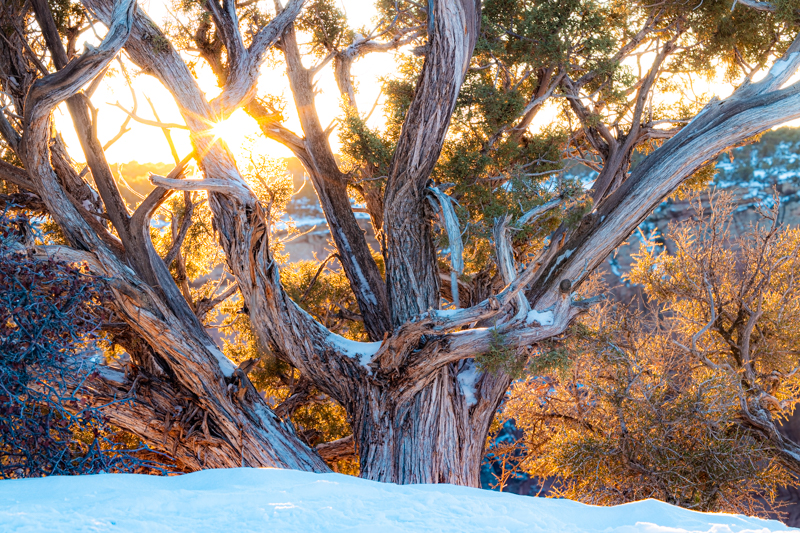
(527, 326)
(780, 72)
(536, 212)
(523, 330)
(452, 228)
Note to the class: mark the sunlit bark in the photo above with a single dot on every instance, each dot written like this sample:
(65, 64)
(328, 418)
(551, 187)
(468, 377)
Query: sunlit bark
(419, 408)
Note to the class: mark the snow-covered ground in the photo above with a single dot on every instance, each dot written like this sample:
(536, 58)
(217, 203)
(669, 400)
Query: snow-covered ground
(247, 500)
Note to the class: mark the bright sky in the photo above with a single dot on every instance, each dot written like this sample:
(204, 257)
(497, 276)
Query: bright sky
(147, 144)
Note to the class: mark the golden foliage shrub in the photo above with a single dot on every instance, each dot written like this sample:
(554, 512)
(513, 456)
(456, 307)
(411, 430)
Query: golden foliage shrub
(680, 398)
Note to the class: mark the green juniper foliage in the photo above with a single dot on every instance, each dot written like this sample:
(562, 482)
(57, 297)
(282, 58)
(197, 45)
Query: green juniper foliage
(555, 88)
(527, 57)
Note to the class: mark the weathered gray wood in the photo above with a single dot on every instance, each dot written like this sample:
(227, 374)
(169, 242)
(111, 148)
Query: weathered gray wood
(752, 109)
(193, 365)
(411, 271)
(419, 408)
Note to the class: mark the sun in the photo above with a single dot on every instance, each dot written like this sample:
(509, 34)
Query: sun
(235, 129)
(238, 131)
(228, 130)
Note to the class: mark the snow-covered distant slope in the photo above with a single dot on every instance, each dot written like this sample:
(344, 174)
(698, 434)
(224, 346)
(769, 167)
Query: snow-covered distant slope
(248, 500)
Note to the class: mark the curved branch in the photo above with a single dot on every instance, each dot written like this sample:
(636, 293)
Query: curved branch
(244, 64)
(344, 59)
(43, 96)
(454, 238)
(231, 188)
(395, 351)
(752, 109)
(443, 349)
(17, 176)
(780, 72)
(49, 91)
(536, 212)
(522, 331)
(505, 260)
(147, 122)
(276, 131)
(452, 228)
(619, 154)
(766, 7)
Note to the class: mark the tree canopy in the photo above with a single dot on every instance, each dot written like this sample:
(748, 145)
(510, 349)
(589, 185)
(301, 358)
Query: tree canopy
(523, 141)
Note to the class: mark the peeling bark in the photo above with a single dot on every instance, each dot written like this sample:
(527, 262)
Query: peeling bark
(412, 274)
(246, 428)
(419, 407)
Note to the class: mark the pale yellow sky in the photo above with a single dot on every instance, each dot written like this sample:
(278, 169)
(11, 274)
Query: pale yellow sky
(146, 143)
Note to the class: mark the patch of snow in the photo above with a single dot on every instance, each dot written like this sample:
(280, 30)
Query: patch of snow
(544, 318)
(363, 351)
(366, 289)
(301, 222)
(265, 500)
(614, 263)
(225, 365)
(779, 66)
(159, 224)
(725, 166)
(466, 379)
(560, 258)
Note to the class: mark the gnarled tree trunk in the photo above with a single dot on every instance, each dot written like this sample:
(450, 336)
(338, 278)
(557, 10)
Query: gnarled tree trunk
(419, 408)
(435, 435)
(182, 393)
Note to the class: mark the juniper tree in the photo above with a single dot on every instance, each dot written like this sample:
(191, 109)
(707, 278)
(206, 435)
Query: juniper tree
(483, 235)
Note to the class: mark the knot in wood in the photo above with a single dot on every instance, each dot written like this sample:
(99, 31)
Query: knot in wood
(565, 286)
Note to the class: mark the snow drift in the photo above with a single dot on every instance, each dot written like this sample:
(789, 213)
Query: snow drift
(250, 500)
